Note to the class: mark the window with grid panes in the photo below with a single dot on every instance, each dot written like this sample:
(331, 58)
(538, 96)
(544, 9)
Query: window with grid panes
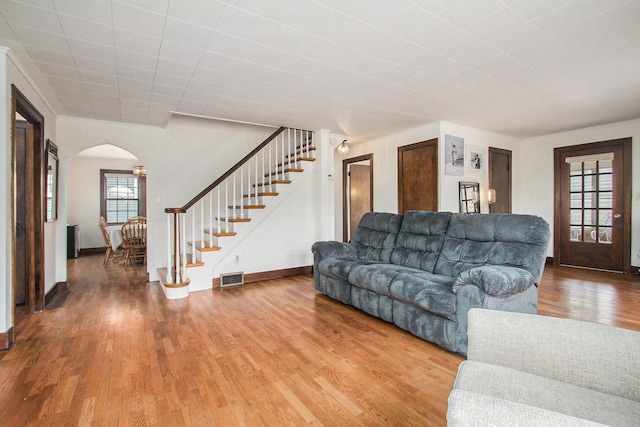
(121, 196)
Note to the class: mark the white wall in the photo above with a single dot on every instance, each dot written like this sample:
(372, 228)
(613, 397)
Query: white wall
(55, 267)
(83, 195)
(536, 167)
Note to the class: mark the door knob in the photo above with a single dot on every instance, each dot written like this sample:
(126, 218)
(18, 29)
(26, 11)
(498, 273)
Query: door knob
(617, 215)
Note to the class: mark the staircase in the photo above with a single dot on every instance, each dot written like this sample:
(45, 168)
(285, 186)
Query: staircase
(208, 227)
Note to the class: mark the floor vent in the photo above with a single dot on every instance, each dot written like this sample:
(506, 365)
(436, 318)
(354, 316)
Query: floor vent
(231, 279)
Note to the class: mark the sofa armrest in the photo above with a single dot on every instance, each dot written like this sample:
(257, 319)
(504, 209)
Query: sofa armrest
(496, 280)
(599, 357)
(467, 408)
(334, 249)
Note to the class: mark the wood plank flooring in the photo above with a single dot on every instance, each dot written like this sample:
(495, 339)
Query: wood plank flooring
(273, 353)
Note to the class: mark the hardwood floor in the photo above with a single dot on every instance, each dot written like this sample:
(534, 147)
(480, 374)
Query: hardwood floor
(272, 353)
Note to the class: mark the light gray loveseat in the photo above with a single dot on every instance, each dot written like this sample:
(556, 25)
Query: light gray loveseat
(423, 271)
(526, 370)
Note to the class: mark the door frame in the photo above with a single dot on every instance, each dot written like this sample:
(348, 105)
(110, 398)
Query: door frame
(345, 189)
(626, 192)
(35, 199)
(500, 151)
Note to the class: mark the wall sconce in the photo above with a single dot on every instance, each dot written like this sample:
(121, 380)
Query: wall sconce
(139, 171)
(491, 195)
(343, 148)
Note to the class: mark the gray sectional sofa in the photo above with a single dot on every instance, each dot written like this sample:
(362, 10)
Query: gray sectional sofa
(423, 271)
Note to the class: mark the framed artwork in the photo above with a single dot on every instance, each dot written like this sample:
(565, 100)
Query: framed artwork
(475, 164)
(453, 155)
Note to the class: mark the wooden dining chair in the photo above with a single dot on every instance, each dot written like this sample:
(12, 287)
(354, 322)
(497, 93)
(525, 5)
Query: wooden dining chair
(134, 239)
(110, 252)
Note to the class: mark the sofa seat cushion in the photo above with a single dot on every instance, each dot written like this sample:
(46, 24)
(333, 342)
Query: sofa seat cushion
(377, 277)
(428, 291)
(340, 268)
(557, 396)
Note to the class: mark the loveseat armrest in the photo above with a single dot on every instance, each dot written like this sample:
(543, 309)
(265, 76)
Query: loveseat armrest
(496, 280)
(467, 408)
(334, 249)
(599, 357)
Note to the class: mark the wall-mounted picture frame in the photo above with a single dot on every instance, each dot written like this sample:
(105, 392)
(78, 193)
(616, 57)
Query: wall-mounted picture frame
(475, 161)
(52, 182)
(453, 155)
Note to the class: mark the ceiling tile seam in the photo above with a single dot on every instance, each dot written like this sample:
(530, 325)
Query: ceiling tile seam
(162, 40)
(636, 48)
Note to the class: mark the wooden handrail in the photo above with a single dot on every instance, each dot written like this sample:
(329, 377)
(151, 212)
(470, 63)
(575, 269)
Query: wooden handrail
(227, 173)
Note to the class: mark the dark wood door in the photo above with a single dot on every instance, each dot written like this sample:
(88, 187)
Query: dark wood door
(592, 206)
(23, 134)
(500, 179)
(359, 194)
(418, 176)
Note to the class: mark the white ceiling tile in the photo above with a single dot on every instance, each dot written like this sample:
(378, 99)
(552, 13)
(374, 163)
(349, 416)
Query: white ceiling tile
(140, 85)
(433, 6)
(168, 90)
(129, 18)
(435, 32)
(607, 50)
(135, 73)
(605, 5)
(98, 10)
(205, 14)
(173, 101)
(86, 30)
(397, 17)
(100, 78)
(96, 65)
(631, 30)
(76, 92)
(39, 38)
(502, 21)
(477, 55)
(538, 47)
(186, 33)
(170, 80)
(566, 16)
(45, 4)
(495, 65)
(57, 70)
(62, 82)
(180, 53)
(516, 38)
(139, 43)
(463, 14)
(582, 30)
(625, 13)
(104, 101)
(53, 56)
(93, 88)
(445, 69)
(192, 106)
(136, 59)
(158, 6)
(135, 94)
(31, 17)
(458, 41)
(175, 68)
(91, 50)
(207, 75)
(535, 9)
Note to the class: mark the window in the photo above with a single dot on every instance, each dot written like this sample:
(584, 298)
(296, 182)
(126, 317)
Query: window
(123, 195)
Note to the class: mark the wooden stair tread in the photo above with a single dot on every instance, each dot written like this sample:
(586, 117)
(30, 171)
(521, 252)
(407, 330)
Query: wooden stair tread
(248, 207)
(204, 247)
(299, 159)
(260, 194)
(274, 181)
(194, 264)
(222, 233)
(285, 171)
(304, 150)
(233, 219)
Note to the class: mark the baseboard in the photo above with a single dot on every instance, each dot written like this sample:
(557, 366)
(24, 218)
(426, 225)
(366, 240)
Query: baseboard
(7, 339)
(549, 260)
(91, 251)
(270, 275)
(54, 291)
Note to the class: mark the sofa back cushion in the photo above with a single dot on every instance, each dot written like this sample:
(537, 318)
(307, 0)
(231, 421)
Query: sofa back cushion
(420, 239)
(375, 236)
(496, 239)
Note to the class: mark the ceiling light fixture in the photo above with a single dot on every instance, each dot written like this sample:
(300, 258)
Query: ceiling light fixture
(139, 171)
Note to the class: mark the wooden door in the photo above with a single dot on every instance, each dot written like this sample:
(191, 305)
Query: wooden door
(418, 176)
(500, 179)
(593, 205)
(357, 179)
(23, 134)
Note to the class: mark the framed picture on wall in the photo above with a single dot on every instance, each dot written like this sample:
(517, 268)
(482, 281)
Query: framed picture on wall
(475, 161)
(454, 155)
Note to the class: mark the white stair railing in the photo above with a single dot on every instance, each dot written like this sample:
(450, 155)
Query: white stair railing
(228, 199)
